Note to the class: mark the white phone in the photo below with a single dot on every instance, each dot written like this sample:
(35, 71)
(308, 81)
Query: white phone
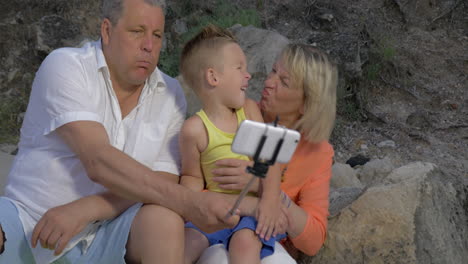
(249, 136)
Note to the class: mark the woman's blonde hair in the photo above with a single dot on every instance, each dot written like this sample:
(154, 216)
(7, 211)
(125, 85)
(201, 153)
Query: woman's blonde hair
(312, 71)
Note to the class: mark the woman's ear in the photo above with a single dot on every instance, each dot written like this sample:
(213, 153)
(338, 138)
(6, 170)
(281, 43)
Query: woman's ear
(212, 77)
(106, 27)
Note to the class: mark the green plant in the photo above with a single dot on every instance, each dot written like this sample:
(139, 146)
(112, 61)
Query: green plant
(382, 54)
(10, 123)
(225, 15)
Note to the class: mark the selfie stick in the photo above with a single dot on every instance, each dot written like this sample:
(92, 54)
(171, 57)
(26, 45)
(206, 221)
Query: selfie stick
(259, 169)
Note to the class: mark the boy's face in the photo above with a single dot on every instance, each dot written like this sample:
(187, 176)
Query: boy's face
(234, 77)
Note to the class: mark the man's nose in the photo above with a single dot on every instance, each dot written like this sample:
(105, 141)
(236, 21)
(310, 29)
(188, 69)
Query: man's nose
(147, 43)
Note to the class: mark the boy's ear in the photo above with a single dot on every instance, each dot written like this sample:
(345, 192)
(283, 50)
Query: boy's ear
(212, 77)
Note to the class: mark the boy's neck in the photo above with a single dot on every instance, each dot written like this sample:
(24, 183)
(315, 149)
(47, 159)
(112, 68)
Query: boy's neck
(222, 117)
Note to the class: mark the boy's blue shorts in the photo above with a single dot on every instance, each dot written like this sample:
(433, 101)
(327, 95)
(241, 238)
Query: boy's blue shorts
(223, 236)
(109, 245)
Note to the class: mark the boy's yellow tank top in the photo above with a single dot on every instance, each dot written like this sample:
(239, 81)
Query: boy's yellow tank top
(219, 147)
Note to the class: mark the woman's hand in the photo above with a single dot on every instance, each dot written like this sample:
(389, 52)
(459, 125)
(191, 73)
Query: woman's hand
(232, 174)
(58, 225)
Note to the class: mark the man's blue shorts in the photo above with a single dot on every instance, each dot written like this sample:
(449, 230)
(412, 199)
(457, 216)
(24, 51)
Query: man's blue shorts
(109, 245)
(223, 236)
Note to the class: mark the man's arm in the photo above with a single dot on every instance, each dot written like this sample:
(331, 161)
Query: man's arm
(131, 180)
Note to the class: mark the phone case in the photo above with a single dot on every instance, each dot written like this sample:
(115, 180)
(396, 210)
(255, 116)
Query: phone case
(250, 133)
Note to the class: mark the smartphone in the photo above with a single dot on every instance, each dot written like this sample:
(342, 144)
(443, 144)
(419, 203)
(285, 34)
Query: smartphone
(249, 136)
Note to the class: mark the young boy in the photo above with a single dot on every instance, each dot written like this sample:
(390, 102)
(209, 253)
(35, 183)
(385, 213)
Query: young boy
(214, 65)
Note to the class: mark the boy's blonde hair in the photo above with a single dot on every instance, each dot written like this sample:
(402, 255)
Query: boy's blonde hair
(311, 70)
(202, 52)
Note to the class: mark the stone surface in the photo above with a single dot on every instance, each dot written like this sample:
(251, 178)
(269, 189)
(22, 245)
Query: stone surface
(344, 176)
(6, 161)
(413, 216)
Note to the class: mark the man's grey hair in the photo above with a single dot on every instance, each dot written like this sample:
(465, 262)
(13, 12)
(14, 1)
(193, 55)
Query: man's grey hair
(112, 9)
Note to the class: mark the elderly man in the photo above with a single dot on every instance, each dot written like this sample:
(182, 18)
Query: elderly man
(96, 176)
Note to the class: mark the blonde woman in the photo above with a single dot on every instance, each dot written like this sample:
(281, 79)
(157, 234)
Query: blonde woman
(301, 91)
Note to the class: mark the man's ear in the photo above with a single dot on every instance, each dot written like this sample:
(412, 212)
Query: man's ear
(212, 77)
(106, 27)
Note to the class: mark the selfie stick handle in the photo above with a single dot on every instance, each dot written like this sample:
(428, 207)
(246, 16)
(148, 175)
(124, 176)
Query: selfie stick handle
(241, 196)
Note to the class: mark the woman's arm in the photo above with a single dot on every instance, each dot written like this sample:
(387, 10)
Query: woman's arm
(309, 216)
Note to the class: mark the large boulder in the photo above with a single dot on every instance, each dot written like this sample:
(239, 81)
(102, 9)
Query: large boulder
(414, 216)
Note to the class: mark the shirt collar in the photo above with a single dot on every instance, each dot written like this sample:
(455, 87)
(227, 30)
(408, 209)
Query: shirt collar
(155, 81)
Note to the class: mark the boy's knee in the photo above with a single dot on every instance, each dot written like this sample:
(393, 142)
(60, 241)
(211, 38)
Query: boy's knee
(2, 240)
(245, 239)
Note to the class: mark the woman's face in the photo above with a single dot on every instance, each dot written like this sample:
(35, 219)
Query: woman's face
(279, 97)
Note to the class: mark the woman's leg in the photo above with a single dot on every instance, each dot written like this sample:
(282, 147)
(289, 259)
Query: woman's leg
(244, 247)
(156, 236)
(216, 254)
(195, 244)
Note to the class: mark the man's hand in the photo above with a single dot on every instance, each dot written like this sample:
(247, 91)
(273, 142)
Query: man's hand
(209, 211)
(57, 226)
(232, 174)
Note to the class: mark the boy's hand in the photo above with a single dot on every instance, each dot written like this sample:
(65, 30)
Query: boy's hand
(271, 219)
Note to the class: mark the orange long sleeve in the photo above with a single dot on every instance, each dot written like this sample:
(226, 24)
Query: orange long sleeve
(307, 183)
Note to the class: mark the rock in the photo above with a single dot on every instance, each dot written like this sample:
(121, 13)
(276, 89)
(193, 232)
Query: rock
(261, 48)
(344, 176)
(357, 160)
(387, 144)
(414, 216)
(375, 171)
(341, 198)
(6, 161)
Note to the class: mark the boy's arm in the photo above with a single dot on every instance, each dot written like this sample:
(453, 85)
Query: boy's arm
(269, 188)
(192, 133)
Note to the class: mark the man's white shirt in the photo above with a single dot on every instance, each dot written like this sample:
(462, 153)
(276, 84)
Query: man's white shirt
(73, 84)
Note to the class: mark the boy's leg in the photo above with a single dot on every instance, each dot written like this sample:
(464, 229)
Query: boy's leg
(156, 236)
(14, 247)
(195, 244)
(244, 247)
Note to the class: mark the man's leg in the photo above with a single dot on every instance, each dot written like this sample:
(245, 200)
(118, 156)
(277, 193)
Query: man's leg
(14, 247)
(156, 236)
(2, 240)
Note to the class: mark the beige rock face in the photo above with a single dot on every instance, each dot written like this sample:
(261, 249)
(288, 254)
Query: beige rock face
(393, 222)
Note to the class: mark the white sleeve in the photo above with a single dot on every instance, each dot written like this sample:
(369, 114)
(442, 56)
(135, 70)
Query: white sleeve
(60, 94)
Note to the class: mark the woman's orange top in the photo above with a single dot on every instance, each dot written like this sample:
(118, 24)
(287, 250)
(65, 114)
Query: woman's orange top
(307, 182)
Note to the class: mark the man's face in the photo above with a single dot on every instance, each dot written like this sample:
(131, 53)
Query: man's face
(132, 45)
